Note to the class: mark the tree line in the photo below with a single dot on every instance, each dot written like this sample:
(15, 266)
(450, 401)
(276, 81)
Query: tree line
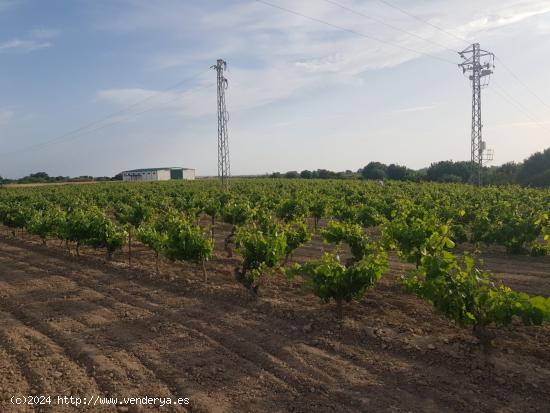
(44, 178)
(534, 171)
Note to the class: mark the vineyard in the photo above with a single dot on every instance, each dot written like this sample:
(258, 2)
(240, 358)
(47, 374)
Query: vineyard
(301, 294)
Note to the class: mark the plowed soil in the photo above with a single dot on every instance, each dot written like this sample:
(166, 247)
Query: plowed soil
(83, 326)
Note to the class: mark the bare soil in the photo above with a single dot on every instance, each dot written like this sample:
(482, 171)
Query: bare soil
(83, 326)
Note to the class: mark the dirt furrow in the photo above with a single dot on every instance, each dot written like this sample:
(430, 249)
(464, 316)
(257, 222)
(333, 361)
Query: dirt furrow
(284, 369)
(13, 381)
(282, 352)
(108, 364)
(88, 282)
(38, 357)
(133, 290)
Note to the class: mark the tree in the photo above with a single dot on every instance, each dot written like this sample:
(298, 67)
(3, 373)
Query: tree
(324, 174)
(305, 174)
(502, 175)
(38, 177)
(374, 171)
(449, 171)
(541, 180)
(534, 170)
(451, 179)
(397, 172)
(292, 175)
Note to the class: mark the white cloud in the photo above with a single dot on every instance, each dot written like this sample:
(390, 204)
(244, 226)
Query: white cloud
(35, 40)
(248, 89)
(293, 55)
(22, 46)
(505, 17)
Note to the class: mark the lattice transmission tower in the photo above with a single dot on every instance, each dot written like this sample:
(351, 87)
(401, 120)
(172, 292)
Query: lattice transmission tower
(224, 170)
(479, 64)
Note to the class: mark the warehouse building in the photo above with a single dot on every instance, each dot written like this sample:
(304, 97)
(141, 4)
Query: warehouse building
(158, 174)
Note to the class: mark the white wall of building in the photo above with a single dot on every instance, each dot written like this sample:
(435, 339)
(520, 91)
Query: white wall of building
(189, 174)
(154, 175)
(163, 175)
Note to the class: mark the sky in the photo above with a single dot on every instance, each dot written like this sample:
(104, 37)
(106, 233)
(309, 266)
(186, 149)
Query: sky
(97, 87)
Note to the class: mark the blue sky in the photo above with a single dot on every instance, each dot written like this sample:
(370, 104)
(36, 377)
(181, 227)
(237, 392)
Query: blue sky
(302, 95)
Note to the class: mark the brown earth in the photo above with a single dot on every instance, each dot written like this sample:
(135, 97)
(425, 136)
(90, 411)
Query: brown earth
(82, 326)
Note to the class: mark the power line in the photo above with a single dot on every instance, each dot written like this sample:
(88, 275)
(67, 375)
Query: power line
(522, 83)
(448, 33)
(85, 129)
(335, 26)
(503, 91)
(517, 78)
(134, 115)
(78, 133)
(382, 22)
(504, 94)
(516, 101)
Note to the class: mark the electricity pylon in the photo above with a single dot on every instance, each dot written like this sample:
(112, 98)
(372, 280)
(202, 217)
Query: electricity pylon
(479, 63)
(224, 170)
